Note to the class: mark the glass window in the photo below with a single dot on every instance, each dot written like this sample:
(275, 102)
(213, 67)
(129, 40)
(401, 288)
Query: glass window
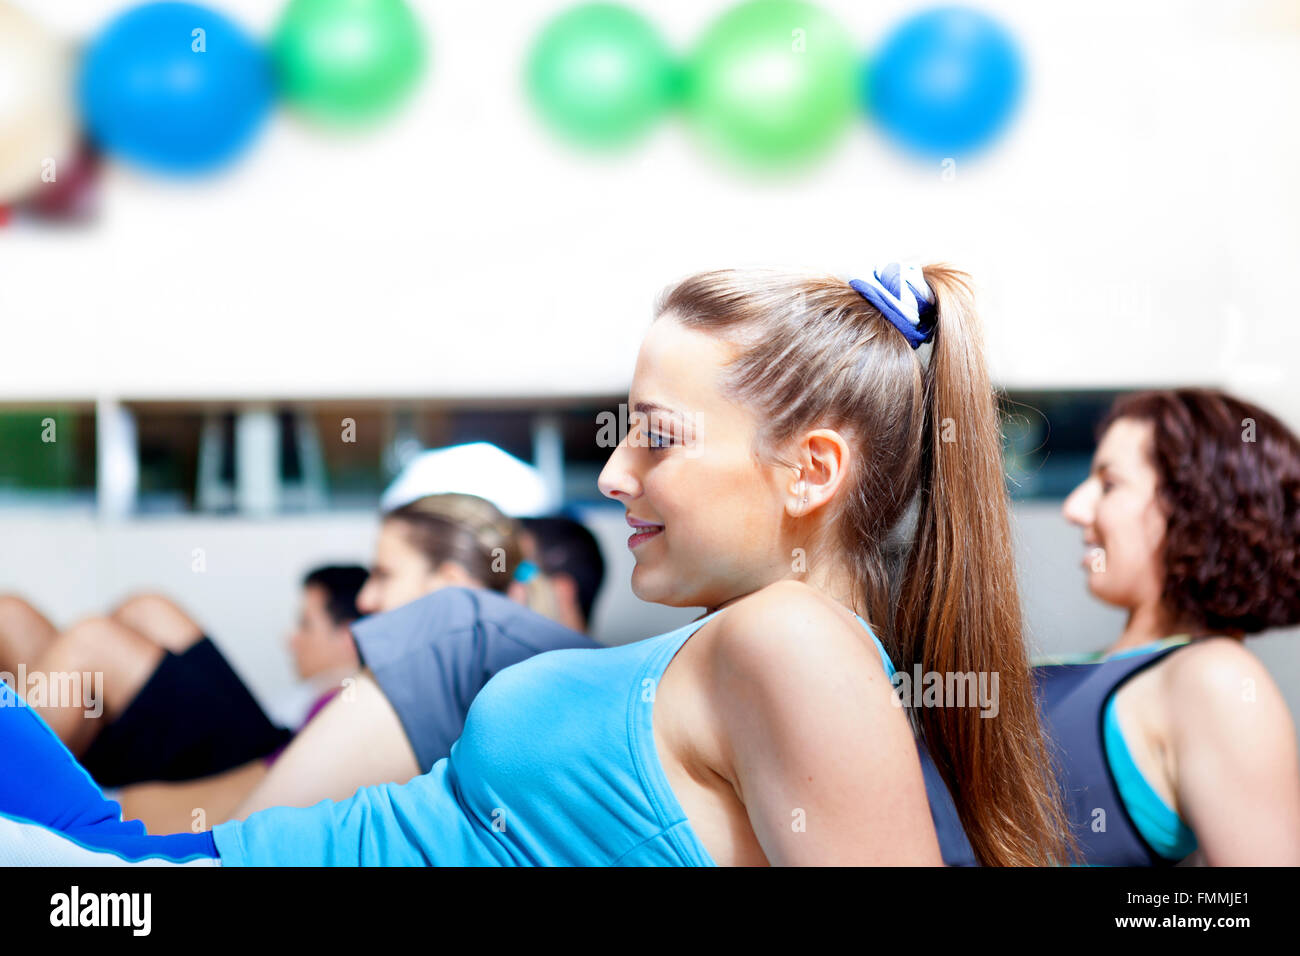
(343, 454)
(47, 456)
(1048, 439)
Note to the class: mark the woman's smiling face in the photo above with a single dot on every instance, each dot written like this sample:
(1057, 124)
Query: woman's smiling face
(687, 467)
(1123, 524)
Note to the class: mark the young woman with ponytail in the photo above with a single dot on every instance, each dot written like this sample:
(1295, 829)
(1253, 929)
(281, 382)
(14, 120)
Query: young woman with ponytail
(782, 427)
(829, 374)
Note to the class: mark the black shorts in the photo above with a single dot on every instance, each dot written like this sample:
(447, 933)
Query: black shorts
(193, 717)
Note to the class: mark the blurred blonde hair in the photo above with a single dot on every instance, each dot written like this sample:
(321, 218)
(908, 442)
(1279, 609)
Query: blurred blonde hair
(475, 535)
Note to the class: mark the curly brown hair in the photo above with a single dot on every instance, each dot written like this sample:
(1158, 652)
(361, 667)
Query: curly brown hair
(1229, 479)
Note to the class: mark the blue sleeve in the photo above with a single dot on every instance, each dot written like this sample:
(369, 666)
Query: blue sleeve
(411, 824)
(42, 782)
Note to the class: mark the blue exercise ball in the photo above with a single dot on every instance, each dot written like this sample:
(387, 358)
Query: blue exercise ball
(945, 82)
(175, 87)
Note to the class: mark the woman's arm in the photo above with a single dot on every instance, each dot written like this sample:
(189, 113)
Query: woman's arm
(24, 843)
(388, 825)
(174, 807)
(1234, 747)
(817, 748)
(355, 741)
(43, 785)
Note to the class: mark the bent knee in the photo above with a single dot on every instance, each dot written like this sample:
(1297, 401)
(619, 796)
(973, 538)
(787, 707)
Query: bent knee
(145, 605)
(12, 607)
(100, 644)
(90, 637)
(160, 619)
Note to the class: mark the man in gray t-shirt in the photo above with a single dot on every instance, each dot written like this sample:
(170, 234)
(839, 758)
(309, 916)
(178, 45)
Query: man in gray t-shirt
(432, 656)
(424, 664)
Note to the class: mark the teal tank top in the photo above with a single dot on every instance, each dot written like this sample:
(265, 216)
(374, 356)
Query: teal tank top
(556, 766)
(1158, 822)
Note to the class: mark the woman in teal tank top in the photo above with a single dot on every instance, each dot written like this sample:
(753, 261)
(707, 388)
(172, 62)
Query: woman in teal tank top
(1191, 514)
(779, 428)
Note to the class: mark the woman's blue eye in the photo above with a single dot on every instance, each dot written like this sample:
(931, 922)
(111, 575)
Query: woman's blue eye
(659, 441)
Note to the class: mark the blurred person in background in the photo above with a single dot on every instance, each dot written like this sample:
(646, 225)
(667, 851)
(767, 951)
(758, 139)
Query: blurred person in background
(321, 645)
(139, 736)
(172, 707)
(567, 553)
(1191, 514)
(425, 662)
(450, 540)
(324, 656)
(419, 676)
(420, 550)
(156, 660)
(43, 781)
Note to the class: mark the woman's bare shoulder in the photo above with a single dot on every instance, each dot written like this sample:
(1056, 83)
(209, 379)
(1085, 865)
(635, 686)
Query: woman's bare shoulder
(790, 633)
(1214, 666)
(1218, 681)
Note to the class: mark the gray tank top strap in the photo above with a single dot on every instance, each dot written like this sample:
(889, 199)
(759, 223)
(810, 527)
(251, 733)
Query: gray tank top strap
(1073, 698)
(953, 843)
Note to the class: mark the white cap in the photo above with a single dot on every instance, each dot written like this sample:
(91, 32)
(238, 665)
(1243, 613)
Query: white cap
(478, 468)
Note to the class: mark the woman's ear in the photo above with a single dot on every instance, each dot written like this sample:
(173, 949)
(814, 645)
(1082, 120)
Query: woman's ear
(825, 457)
(566, 589)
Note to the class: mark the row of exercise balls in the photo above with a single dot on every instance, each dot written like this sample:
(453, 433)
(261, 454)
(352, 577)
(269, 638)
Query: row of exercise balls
(775, 82)
(181, 88)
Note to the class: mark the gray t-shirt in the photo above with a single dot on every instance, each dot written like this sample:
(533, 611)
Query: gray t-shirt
(432, 656)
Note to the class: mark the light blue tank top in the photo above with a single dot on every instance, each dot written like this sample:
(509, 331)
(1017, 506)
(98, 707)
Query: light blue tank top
(556, 766)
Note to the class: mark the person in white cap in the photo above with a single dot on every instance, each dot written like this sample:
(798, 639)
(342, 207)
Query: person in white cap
(478, 468)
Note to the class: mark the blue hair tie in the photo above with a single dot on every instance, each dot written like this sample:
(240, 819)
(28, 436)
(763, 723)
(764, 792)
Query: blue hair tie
(903, 296)
(525, 572)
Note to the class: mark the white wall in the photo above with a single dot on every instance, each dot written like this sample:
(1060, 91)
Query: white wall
(1135, 227)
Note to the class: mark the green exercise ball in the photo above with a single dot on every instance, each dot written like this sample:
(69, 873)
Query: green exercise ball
(772, 83)
(600, 75)
(347, 62)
